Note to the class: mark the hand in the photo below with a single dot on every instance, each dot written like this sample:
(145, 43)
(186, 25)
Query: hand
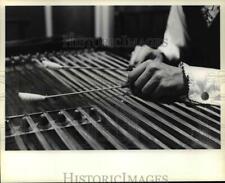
(156, 80)
(142, 53)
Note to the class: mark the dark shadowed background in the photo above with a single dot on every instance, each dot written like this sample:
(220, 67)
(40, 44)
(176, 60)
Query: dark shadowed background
(131, 21)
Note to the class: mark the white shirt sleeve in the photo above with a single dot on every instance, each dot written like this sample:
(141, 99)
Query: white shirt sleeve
(204, 84)
(175, 37)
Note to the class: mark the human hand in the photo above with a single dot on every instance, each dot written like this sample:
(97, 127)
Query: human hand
(156, 80)
(142, 53)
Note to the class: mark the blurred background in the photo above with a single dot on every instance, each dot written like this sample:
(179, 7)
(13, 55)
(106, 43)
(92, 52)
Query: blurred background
(29, 22)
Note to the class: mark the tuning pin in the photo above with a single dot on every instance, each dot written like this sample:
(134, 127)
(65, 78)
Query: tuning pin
(86, 50)
(37, 55)
(12, 61)
(61, 119)
(25, 57)
(22, 61)
(24, 126)
(59, 53)
(43, 123)
(7, 61)
(77, 115)
(16, 58)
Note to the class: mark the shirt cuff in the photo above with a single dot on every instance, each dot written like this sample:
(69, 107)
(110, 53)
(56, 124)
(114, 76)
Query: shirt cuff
(204, 84)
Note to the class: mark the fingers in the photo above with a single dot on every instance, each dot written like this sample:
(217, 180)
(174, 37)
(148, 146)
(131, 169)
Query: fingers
(134, 54)
(144, 77)
(143, 53)
(139, 54)
(158, 92)
(133, 75)
(153, 79)
(150, 86)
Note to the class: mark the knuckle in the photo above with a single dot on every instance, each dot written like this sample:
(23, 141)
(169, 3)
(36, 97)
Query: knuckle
(157, 64)
(158, 75)
(146, 47)
(166, 86)
(137, 47)
(152, 65)
(162, 86)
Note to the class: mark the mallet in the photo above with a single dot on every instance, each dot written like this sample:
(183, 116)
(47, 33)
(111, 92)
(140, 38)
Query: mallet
(38, 97)
(55, 66)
